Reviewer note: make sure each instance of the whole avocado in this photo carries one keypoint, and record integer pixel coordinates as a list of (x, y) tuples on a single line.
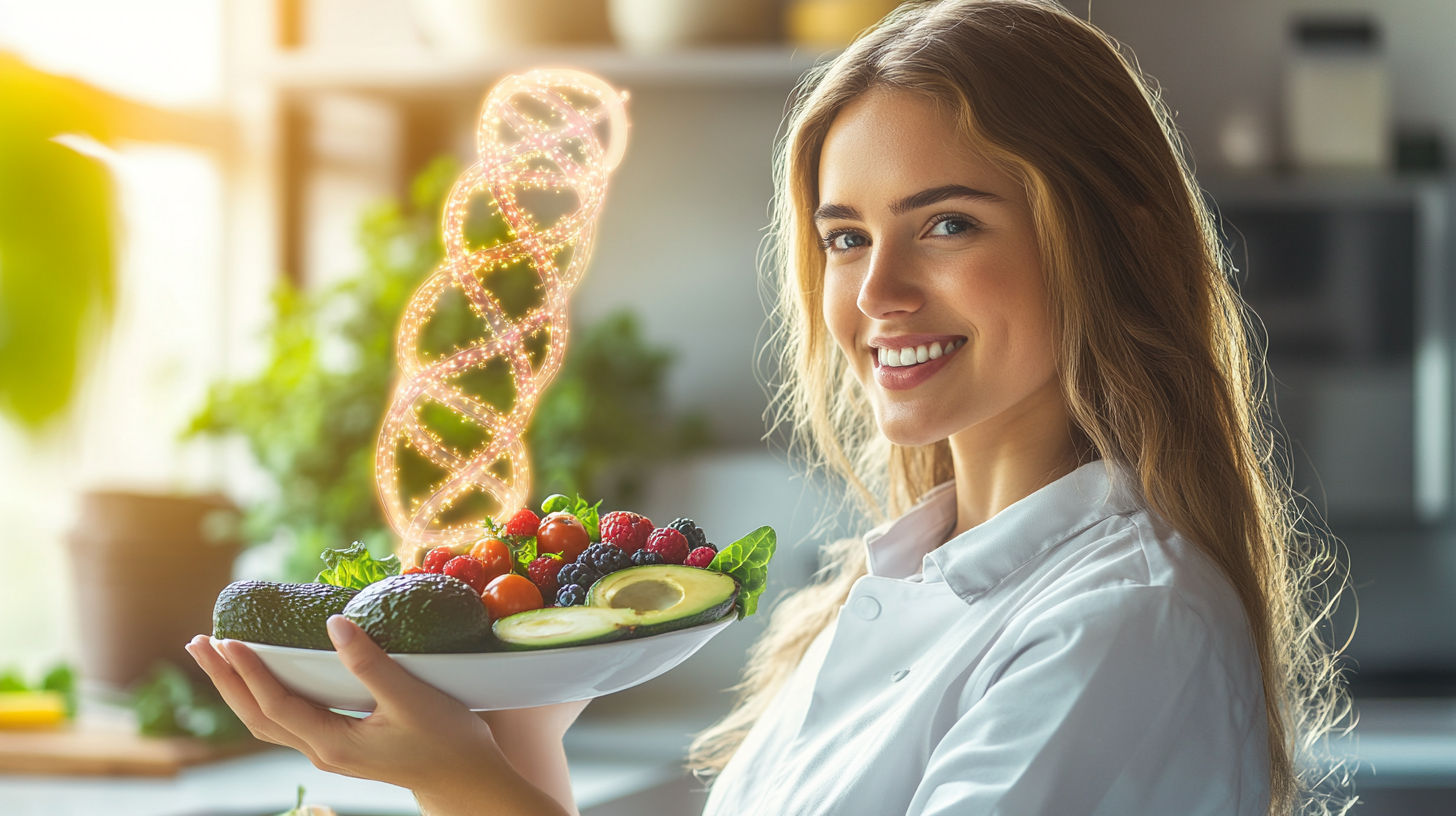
[(422, 613), (278, 614)]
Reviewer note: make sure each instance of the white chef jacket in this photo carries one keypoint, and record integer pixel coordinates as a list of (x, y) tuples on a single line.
[(1071, 655)]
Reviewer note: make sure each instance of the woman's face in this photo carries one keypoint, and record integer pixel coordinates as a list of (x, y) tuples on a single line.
[(933, 284)]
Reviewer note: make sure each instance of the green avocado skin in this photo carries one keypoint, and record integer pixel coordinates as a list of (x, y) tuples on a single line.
[(708, 615), (423, 613), (279, 614)]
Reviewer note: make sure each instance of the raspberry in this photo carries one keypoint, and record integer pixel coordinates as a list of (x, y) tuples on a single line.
[(469, 570), (524, 523), (668, 543), (692, 532), (628, 531), (571, 595), (701, 557), (645, 558), (436, 559), (579, 574), (604, 559), (542, 572)]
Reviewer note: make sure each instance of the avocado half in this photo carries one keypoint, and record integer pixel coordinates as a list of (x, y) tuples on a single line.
[(422, 613), (279, 614), (634, 602)]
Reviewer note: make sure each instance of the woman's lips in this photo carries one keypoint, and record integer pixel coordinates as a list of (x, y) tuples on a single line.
[(904, 377)]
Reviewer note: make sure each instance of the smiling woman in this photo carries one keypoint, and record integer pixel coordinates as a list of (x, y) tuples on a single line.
[(1009, 327)]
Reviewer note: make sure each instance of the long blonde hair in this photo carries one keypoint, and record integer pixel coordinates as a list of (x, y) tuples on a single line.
[(1157, 365)]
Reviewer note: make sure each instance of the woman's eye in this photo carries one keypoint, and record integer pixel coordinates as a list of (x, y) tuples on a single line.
[(843, 241), (953, 225)]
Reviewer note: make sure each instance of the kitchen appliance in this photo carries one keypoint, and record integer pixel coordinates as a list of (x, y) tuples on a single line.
[(1349, 278)]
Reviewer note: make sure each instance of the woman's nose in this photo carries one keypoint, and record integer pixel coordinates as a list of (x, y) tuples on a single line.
[(889, 287)]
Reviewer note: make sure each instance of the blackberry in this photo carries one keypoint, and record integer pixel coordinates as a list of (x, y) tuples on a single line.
[(570, 594), (645, 558), (604, 559), (576, 573), (692, 532)]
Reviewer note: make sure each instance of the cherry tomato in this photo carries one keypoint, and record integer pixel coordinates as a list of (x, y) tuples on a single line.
[(562, 534), (510, 594), (436, 559), (494, 555), (411, 570)]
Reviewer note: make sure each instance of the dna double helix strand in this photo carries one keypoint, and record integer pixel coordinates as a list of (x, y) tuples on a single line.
[(548, 130)]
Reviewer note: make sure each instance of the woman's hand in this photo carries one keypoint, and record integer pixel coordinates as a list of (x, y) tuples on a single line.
[(417, 737)]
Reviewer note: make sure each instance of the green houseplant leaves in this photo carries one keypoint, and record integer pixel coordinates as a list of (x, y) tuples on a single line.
[(56, 240)]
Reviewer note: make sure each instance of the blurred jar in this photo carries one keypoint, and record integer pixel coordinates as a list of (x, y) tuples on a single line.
[(1337, 96), (467, 28), (667, 25), (833, 23)]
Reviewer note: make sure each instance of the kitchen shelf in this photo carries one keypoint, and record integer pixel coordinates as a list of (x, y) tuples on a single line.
[(410, 73)]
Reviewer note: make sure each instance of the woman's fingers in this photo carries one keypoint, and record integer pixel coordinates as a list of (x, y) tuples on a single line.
[(236, 694), (289, 720), (276, 702), (386, 680)]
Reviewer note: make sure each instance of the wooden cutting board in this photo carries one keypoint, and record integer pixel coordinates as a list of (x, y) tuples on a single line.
[(98, 751)]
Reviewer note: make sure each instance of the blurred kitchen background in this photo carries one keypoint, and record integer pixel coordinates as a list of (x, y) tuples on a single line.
[(272, 172)]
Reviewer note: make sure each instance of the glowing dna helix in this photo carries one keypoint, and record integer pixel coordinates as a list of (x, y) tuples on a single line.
[(551, 130)]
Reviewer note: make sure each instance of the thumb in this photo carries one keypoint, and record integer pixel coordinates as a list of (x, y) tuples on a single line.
[(385, 679)]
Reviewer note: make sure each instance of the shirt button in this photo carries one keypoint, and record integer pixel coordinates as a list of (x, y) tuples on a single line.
[(866, 607)]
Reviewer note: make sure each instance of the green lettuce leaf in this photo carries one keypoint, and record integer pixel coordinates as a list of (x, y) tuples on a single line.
[(525, 553), (354, 567), (746, 560), (588, 515)]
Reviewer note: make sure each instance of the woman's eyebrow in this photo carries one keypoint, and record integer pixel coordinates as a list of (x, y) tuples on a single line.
[(935, 195), (924, 198), (832, 212)]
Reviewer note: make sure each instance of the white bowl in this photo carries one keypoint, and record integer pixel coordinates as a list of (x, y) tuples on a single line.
[(494, 680)]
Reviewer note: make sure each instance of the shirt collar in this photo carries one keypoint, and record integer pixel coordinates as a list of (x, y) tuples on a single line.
[(978, 559)]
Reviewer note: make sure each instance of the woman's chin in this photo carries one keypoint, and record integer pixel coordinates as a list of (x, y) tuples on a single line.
[(909, 431)]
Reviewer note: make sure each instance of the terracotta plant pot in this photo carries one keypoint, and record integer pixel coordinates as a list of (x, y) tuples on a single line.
[(147, 570)]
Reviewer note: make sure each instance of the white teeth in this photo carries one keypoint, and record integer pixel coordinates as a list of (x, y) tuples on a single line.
[(895, 358)]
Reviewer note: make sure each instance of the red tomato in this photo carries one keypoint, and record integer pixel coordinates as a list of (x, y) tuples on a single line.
[(510, 594), (562, 534), (494, 555), (411, 570)]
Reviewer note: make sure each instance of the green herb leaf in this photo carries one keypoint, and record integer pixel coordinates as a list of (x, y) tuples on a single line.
[(525, 553), (355, 568), (588, 515), (555, 503), (62, 679), (746, 560)]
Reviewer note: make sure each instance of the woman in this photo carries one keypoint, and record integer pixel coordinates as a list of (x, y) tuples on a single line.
[(1003, 303)]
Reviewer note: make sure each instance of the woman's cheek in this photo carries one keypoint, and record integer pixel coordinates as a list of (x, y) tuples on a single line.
[(841, 313)]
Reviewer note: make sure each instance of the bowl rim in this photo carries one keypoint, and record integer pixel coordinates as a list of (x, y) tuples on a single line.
[(715, 626)]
